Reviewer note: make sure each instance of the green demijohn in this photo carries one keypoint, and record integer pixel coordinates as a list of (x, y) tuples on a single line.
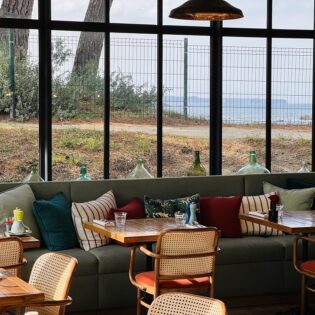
[(33, 176), (197, 169), (83, 173), (253, 167), (139, 171)]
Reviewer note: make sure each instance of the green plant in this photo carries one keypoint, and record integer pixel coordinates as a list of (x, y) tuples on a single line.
[(125, 95)]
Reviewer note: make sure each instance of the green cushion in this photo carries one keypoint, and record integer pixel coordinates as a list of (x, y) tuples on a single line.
[(292, 199), (19, 197), (54, 220), (158, 208)]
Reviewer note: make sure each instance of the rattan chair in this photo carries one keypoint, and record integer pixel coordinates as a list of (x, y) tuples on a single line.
[(184, 261), (52, 274), (306, 269), (185, 303), (11, 255)]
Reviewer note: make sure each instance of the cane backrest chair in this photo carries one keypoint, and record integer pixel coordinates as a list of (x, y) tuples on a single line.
[(52, 274), (11, 255), (184, 261), (306, 269), (185, 303)]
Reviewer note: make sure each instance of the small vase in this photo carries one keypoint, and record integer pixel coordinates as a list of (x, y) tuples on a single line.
[(83, 173), (253, 167), (33, 176), (139, 171), (197, 169)]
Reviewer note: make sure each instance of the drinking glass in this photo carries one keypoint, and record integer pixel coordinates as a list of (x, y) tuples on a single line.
[(179, 218), (120, 219), (280, 210)]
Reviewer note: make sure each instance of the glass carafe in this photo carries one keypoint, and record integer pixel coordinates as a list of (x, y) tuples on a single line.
[(83, 173), (139, 171), (33, 175), (197, 169), (253, 167)]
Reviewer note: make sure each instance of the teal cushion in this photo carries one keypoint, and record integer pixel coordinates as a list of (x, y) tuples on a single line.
[(292, 199), (19, 197), (157, 208), (54, 220)]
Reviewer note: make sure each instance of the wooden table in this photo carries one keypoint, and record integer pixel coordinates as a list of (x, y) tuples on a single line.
[(14, 292), (137, 231), (291, 222), (29, 242)]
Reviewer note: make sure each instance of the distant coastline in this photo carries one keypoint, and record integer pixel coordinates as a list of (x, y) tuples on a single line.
[(242, 110)]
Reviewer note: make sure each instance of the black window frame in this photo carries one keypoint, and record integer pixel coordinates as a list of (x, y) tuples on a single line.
[(216, 31)]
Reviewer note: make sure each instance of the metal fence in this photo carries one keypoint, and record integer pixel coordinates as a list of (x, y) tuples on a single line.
[(186, 80)]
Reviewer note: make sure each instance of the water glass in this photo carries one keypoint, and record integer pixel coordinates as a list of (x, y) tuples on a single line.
[(120, 219), (279, 210), (179, 218)]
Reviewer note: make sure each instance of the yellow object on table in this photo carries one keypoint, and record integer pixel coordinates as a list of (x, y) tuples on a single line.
[(18, 214)]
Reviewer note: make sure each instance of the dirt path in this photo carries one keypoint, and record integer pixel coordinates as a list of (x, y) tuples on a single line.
[(187, 131)]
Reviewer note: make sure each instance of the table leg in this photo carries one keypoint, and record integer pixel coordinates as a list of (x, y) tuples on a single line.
[(304, 248), (149, 259)]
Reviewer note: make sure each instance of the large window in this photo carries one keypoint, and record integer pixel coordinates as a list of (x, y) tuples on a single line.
[(18, 103), (108, 81)]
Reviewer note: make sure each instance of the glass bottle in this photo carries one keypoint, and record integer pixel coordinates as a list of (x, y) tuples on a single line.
[(139, 171), (253, 167), (193, 216), (197, 169), (83, 173), (33, 176), (304, 168)]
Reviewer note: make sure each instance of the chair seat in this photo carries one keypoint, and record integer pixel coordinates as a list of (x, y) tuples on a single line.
[(308, 265), (147, 279)]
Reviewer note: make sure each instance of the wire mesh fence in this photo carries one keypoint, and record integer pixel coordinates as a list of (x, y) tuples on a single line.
[(186, 82)]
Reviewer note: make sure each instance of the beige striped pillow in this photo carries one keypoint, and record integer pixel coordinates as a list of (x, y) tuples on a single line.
[(88, 211), (256, 203)]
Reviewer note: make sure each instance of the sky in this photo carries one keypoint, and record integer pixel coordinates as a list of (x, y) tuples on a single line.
[(286, 15)]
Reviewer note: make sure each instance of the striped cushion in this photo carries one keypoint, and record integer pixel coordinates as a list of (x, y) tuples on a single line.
[(256, 203), (88, 211)]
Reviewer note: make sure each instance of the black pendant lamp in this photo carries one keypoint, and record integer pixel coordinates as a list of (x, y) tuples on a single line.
[(209, 10)]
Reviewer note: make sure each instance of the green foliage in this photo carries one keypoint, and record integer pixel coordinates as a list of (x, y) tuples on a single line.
[(73, 94), (125, 95), (25, 90)]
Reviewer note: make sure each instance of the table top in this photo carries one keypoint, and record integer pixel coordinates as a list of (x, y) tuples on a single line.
[(291, 221), (16, 292), (136, 230)]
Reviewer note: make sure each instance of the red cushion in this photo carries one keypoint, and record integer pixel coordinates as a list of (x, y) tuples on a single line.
[(308, 265), (134, 209), (222, 212), (147, 279)]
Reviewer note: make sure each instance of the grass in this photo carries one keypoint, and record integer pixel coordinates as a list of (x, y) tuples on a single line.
[(72, 146)]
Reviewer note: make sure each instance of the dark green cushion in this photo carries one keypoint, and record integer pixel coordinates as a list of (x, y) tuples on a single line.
[(158, 208), (53, 217)]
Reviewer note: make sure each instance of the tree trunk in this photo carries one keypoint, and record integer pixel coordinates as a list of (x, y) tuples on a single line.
[(17, 9), (90, 44)]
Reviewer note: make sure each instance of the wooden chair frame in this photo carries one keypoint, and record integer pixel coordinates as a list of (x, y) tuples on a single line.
[(183, 303), (156, 291), (21, 259), (304, 273), (65, 291)]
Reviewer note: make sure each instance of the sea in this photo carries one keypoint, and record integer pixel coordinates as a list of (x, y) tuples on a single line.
[(242, 110)]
